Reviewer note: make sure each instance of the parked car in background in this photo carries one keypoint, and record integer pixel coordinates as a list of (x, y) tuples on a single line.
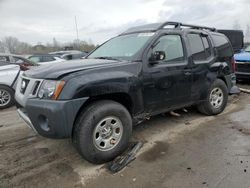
[(145, 71), (62, 52), (236, 38), (75, 55), (243, 64), (23, 62), (45, 59), (8, 77)]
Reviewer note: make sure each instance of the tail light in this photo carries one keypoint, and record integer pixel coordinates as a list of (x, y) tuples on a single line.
[(233, 63)]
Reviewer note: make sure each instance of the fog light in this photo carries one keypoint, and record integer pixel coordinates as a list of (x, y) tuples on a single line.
[(44, 123)]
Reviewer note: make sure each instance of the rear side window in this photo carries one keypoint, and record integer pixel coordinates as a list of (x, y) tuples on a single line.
[(206, 46), (222, 45), (200, 47)]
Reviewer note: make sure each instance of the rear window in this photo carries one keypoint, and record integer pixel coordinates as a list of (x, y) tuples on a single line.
[(222, 45)]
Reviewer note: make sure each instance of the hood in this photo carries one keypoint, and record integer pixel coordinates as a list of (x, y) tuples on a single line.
[(8, 67), (244, 56), (55, 70)]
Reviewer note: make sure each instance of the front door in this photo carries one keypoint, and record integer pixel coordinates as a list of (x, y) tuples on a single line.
[(167, 83)]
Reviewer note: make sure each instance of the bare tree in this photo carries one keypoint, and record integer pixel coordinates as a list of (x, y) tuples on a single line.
[(56, 44), (11, 43), (247, 34), (2, 49)]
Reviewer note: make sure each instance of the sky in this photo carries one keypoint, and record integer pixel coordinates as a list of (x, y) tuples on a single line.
[(39, 21)]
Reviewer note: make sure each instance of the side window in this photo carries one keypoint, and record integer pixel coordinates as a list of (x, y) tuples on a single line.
[(173, 48), (207, 47), (222, 45), (18, 60), (35, 59), (48, 58), (197, 47)]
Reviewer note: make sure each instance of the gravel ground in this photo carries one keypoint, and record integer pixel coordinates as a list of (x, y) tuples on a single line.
[(188, 151)]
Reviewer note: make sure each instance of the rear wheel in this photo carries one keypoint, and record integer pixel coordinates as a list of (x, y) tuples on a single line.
[(6, 97), (216, 100), (102, 131)]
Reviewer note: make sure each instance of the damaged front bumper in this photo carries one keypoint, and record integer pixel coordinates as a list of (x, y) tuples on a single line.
[(49, 118)]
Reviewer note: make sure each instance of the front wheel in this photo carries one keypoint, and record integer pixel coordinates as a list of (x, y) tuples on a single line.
[(216, 100), (102, 131), (6, 97)]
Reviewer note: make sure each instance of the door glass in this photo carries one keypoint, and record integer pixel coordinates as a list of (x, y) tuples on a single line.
[(207, 47), (48, 58), (172, 46), (18, 60), (197, 47), (35, 59)]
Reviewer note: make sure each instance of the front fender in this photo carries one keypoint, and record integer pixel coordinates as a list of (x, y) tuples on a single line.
[(98, 84), (106, 83)]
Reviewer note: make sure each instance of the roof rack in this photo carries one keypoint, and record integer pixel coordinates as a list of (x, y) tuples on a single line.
[(179, 25)]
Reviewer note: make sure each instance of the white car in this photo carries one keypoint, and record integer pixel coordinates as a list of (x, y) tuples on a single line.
[(8, 77), (45, 59)]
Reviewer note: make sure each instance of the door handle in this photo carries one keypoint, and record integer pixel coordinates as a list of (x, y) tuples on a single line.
[(187, 72)]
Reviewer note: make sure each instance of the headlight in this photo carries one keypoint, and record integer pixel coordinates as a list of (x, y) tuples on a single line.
[(50, 89)]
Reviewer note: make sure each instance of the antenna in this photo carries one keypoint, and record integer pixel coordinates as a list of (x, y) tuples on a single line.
[(77, 36)]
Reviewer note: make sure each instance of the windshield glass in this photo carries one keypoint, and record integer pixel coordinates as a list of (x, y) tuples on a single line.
[(247, 49), (122, 47)]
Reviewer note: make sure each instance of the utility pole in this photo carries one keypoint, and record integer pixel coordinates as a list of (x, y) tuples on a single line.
[(77, 36)]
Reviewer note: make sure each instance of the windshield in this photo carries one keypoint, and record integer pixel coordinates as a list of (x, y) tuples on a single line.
[(247, 49), (122, 47)]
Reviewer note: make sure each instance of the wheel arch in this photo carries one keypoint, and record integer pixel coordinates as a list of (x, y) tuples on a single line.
[(121, 98)]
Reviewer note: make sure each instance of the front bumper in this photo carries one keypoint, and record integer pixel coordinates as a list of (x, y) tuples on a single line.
[(52, 119), (21, 112)]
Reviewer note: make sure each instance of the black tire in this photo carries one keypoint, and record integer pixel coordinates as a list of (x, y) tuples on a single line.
[(85, 126), (10, 93), (207, 107)]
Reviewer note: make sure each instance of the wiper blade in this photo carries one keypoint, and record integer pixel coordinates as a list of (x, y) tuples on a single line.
[(108, 58)]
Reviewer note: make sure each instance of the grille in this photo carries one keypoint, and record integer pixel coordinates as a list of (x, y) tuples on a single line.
[(243, 67), (37, 83)]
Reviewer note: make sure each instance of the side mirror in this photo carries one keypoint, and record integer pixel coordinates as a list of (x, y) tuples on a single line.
[(157, 56)]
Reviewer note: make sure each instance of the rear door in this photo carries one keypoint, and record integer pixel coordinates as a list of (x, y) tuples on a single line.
[(167, 83), (201, 57)]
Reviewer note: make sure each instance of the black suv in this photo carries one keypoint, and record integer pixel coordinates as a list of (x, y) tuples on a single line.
[(144, 71)]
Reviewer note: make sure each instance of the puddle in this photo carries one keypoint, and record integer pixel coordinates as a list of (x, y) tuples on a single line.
[(241, 116)]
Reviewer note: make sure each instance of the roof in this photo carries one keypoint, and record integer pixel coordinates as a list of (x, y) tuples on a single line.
[(171, 25)]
